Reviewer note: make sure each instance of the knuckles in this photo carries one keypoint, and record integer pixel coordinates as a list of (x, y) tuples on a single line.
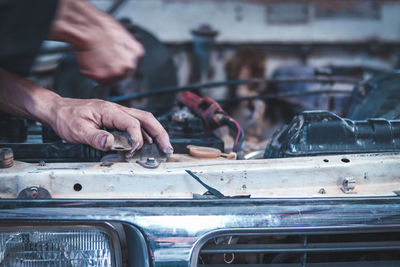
[(148, 116), (135, 124), (75, 118), (113, 73)]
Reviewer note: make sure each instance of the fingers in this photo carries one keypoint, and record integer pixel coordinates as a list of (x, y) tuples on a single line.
[(79, 121), (117, 119), (110, 75), (147, 137), (99, 139), (138, 48), (150, 128), (113, 76), (137, 52), (108, 65), (153, 127), (131, 53)]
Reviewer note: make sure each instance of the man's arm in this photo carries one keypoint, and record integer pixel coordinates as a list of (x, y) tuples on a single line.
[(78, 120), (106, 52)]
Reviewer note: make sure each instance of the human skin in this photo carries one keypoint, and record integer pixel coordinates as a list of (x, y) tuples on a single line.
[(79, 120), (106, 52)]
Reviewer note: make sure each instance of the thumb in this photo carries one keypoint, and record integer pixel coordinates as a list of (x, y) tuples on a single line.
[(99, 139)]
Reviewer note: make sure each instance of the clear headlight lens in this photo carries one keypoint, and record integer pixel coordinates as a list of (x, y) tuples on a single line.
[(72, 246)]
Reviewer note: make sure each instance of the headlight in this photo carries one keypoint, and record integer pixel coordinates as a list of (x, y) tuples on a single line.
[(65, 245)]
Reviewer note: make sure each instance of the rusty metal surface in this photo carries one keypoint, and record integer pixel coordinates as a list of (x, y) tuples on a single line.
[(373, 175)]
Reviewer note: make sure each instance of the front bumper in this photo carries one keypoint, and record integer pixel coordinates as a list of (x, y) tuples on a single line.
[(173, 230)]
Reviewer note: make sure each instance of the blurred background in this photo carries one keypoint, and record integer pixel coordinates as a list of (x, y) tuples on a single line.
[(264, 61)]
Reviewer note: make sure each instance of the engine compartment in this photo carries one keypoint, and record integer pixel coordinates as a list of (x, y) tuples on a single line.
[(284, 118)]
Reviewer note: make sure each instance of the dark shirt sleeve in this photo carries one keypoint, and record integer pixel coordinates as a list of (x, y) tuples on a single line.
[(24, 24)]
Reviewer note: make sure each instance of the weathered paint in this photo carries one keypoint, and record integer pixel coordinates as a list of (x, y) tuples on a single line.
[(375, 175)]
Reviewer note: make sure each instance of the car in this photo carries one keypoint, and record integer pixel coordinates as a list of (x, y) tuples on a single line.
[(292, 158)]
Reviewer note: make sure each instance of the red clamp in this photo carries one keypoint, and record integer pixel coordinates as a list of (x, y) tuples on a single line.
[(206, 108)]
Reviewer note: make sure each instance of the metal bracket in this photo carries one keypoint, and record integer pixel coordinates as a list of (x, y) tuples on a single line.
[(150, 156), (34, 192)]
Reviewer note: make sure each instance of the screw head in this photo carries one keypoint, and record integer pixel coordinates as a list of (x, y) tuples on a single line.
[(322, 191)]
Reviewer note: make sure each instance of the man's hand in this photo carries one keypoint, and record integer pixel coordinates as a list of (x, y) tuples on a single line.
[(77, 120), (80, 121), (106, 52)]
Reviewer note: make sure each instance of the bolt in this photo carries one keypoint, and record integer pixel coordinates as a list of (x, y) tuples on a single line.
[(322, 191), (34, 193), (150, 163), (348, 185)]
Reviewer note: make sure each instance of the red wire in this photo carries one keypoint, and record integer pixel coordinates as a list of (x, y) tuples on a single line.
[(239, 133)]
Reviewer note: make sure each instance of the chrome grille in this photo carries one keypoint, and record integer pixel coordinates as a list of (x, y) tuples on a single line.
[(320, 248)]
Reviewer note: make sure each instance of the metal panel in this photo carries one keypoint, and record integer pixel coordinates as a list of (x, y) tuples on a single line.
[(372, 175)]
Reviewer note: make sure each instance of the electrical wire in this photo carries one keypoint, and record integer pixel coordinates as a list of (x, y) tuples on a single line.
[(281, 95), (237, 129), (209, 85), (263, 96)]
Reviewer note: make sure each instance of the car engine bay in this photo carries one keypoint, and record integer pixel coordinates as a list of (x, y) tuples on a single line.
[(284, 153)]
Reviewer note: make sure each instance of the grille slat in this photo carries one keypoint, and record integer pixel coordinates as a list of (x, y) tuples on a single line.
[(308, 249), (336, 264), (299, 248)]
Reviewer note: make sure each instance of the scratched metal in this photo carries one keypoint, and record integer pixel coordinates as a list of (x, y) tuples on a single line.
[(373, 174), (172, 227)]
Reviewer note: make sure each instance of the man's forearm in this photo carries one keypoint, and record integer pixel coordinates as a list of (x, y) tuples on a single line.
[(105, 52), (79, 120), (22, 97)]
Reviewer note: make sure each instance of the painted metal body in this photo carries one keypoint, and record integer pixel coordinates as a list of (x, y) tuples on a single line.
[(373, 175), (285, 196)]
